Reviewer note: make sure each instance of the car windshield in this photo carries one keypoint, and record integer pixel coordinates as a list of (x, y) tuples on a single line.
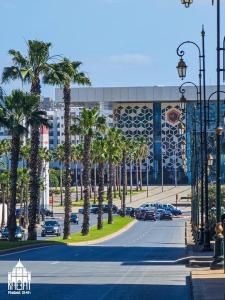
[(51, 223), (73, 215)]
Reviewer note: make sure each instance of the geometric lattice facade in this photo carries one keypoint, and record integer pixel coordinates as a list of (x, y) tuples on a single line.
[(173, 141), (136, 120)]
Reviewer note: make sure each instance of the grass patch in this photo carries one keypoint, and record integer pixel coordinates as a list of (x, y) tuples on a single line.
[(118, 223), (5, 245)]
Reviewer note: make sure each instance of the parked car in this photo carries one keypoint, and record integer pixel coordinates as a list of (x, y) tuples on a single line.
[(46, 212), (94, 209), (106, 208), (80, 210), (74, 218), (129, 211), (51, 227), (147, 206), (172, 209), (150, 215), (159, 212), (140, 213), (166, 215), (19, 233)]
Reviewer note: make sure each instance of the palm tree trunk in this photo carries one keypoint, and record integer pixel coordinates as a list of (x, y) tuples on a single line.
[(61, 184), (114, 181), (95, 194), (100, 195), (119, 177), (34, 184), (34, 176), (110, 198), (87, 175), (15, 150), (81, 181), (26, 208), (76, 179), (67, 149), (21, 204), (124, 185), (140, 170), (137, 180), (3, 208)]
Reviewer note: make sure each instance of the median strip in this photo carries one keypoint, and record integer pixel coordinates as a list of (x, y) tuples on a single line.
[(120, 225)]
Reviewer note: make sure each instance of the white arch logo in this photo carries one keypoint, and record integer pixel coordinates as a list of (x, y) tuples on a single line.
[(19, 280)]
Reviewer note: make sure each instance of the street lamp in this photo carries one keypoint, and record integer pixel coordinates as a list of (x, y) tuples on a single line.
[(186, 3), (203, 137), (210, 160), (181, 128), (182, 68), (218, 262)]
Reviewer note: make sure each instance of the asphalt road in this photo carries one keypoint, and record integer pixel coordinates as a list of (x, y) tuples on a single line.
[(137, 265), (74, 227)]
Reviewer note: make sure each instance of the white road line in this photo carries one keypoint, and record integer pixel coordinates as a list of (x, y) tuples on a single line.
[(26, 250)]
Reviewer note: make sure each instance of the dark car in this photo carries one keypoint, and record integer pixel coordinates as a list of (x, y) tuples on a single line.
[(80, 210), (46, 212), (150, 215), (18, 211), (51, 227), (130, 211), (19, 234), (106, 208), (94, 209), (74, 218), (140, 214), (166, 215), (172, 209)]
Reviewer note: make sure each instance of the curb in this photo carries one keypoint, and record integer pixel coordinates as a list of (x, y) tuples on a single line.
[(97, 241), (25, 247), (106, 238)]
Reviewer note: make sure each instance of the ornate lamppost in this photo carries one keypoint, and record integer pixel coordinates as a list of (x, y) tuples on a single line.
[(218, 262), (203, 117)]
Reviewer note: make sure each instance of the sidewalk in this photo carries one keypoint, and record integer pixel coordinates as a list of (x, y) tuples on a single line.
[(155, 195), (208, 284)]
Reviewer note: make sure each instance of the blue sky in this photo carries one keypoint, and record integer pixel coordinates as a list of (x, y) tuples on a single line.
[(120, 42)]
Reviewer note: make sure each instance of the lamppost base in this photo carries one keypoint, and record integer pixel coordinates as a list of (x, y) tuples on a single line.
[(201, 237), (218, 259), (206, 246)]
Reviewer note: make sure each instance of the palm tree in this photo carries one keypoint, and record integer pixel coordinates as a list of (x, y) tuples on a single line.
[(80, 153), (74, 158), (126, 144), (113, 143), (5, 147), (4, 180), (64, 74), (45, 156), (142, 154), (13, 111), (88, 125), (100, 150), (59, 155), (29, 69)]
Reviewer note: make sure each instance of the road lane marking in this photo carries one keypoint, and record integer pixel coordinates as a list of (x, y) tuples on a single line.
[(26, 250)]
